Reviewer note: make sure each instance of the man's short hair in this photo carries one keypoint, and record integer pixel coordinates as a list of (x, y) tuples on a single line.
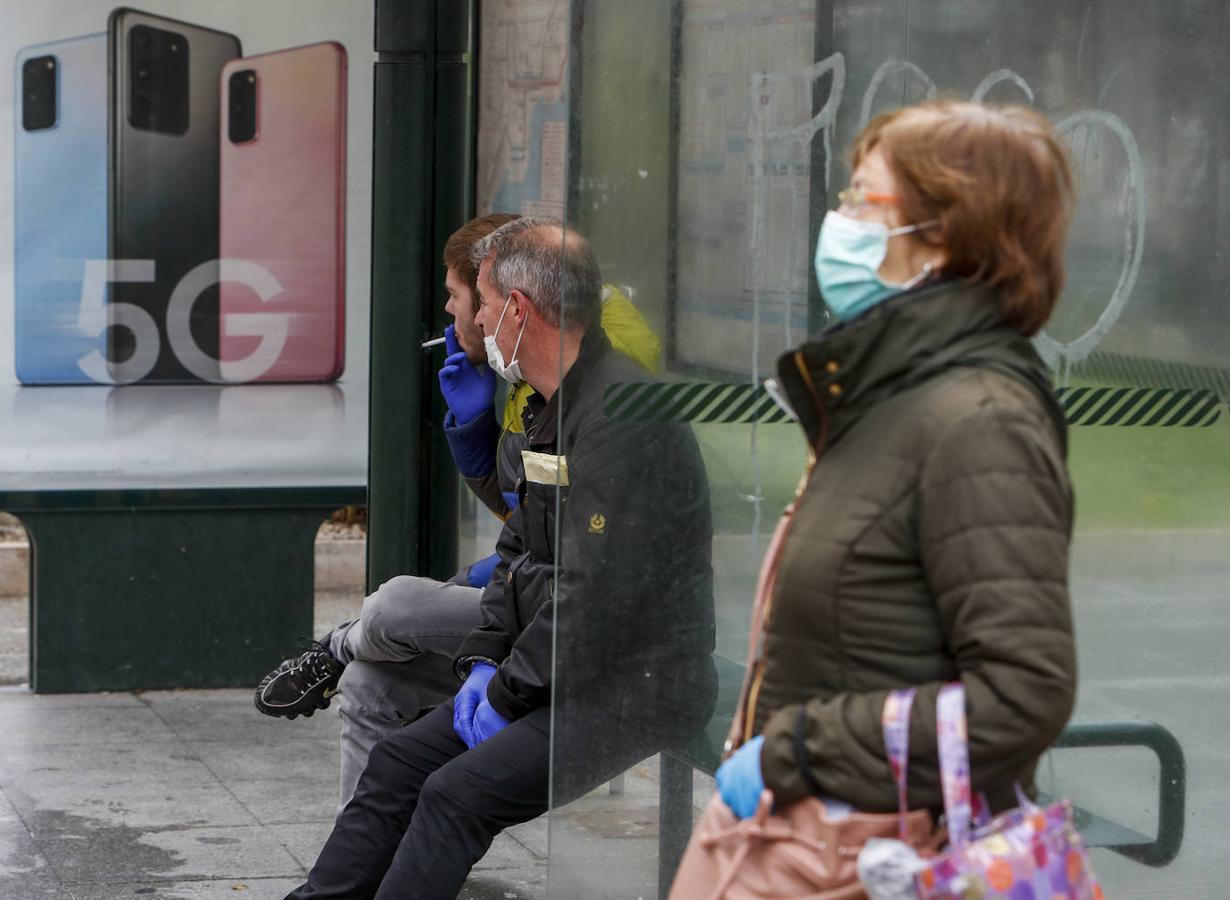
[(551, 265), (460, 247)]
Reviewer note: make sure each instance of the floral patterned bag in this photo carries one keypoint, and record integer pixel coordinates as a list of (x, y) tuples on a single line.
[(1029, 853)]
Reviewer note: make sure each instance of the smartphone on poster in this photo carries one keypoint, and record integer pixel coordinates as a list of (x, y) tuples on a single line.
[(282, 213), (163, 115), (60, 210)]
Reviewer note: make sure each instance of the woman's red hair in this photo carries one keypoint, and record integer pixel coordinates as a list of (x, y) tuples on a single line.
[(998, 182)]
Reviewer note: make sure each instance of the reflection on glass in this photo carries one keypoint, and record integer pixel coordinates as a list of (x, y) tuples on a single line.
[(704, 166)]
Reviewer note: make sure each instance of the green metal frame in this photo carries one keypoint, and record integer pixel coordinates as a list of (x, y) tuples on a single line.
[(146, 589), (422, 165)]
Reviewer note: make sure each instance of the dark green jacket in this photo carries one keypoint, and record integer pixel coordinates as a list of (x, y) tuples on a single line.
[(930, 543)]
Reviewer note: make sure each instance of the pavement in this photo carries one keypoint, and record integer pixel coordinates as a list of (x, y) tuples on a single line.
[(182, 794), (193, 794)]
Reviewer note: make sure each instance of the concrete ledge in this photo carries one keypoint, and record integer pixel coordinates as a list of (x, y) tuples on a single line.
[(340, 566), (14, 568)]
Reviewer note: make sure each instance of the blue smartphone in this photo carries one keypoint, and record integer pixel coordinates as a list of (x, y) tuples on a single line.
[(60, 211)]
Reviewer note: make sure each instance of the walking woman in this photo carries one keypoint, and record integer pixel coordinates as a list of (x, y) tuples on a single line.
[(928, 542)]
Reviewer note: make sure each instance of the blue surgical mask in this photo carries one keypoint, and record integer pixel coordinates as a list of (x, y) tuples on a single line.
[(848, 255)]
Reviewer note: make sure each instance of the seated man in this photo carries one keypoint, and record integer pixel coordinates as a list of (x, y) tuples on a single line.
[(395, 659), (615, 631)]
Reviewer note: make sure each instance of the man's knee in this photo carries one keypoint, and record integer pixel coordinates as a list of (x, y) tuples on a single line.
[(450, 791), (387, 607), (362, 686)]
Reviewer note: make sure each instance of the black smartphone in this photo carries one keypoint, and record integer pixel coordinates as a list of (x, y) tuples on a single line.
[(164, 115)]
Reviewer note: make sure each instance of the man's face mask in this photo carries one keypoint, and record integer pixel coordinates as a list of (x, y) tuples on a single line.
[(510, 372), (848, 255)]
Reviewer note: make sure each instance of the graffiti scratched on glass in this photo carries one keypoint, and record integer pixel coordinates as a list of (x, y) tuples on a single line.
[(765, 134)]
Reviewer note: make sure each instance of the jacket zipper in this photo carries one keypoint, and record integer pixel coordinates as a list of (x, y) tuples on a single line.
[(813, 455)]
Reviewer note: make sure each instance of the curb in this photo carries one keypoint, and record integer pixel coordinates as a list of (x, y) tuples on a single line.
[(340, 566)]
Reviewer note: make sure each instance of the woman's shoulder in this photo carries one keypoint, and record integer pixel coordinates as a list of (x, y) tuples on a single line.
[(969, 394)]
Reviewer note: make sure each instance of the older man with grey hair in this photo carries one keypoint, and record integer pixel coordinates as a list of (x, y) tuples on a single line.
[(600, 609)]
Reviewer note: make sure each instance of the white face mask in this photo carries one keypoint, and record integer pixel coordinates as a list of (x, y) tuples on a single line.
[(510, 372)]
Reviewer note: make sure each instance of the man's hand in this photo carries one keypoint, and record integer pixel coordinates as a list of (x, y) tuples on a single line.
[(468, 390), (479, 573), (739, 779), (466, 703), (487, 722)]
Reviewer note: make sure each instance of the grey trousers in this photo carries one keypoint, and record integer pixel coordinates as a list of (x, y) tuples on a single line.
[(399, 661)]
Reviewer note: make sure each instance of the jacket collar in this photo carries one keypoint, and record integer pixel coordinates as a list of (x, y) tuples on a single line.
[(834, 378), (541, 417)]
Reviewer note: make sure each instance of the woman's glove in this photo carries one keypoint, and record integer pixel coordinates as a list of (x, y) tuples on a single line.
[(739, 779), (469, 390), (466, 703)]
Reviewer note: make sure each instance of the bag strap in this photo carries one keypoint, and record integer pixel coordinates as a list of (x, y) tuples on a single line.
[(953, 737), (895, 720), (756, 635)]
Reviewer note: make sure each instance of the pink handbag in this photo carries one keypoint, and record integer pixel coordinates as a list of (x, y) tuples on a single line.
[(800, 851)]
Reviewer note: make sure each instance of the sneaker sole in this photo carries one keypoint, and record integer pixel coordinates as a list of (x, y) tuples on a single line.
[(275, 713)]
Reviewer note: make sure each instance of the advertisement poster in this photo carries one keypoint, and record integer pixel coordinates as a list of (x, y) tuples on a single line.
[(184, 259)]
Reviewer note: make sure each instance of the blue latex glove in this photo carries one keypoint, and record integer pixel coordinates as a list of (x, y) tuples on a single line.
[(468, 390), (512, 498), (739, 779), (480, 572), (487, 722), (472, 693)]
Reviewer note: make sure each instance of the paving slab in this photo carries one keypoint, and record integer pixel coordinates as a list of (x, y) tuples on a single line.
[(80, 763), (21, 861), (150, 802), (88, 852), (239, 889), (287, 801), (303, 841), (224, 715), (18, 695), (22, 725), (270, 756), (533, 836), (523, 883)]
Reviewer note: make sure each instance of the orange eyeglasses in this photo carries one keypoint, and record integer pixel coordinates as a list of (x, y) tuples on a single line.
[(855, 197)]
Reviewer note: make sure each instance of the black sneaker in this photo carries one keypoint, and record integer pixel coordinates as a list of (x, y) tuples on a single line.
[(300, 686)]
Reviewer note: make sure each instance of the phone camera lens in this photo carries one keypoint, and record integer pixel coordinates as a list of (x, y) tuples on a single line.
[(142, 74)]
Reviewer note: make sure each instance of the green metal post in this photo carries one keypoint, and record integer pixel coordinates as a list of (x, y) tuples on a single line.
[(420, 185)]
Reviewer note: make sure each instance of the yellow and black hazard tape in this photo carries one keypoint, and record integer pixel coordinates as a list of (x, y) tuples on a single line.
[(1146, 407), (746, 404)]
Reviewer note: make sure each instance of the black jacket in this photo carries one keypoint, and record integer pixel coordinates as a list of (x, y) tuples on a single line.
[(633, 603)]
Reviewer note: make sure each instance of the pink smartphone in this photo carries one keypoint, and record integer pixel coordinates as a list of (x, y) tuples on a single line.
[(282, 215)]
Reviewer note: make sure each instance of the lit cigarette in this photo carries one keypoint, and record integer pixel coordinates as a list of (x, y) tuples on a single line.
[(434, 342)]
